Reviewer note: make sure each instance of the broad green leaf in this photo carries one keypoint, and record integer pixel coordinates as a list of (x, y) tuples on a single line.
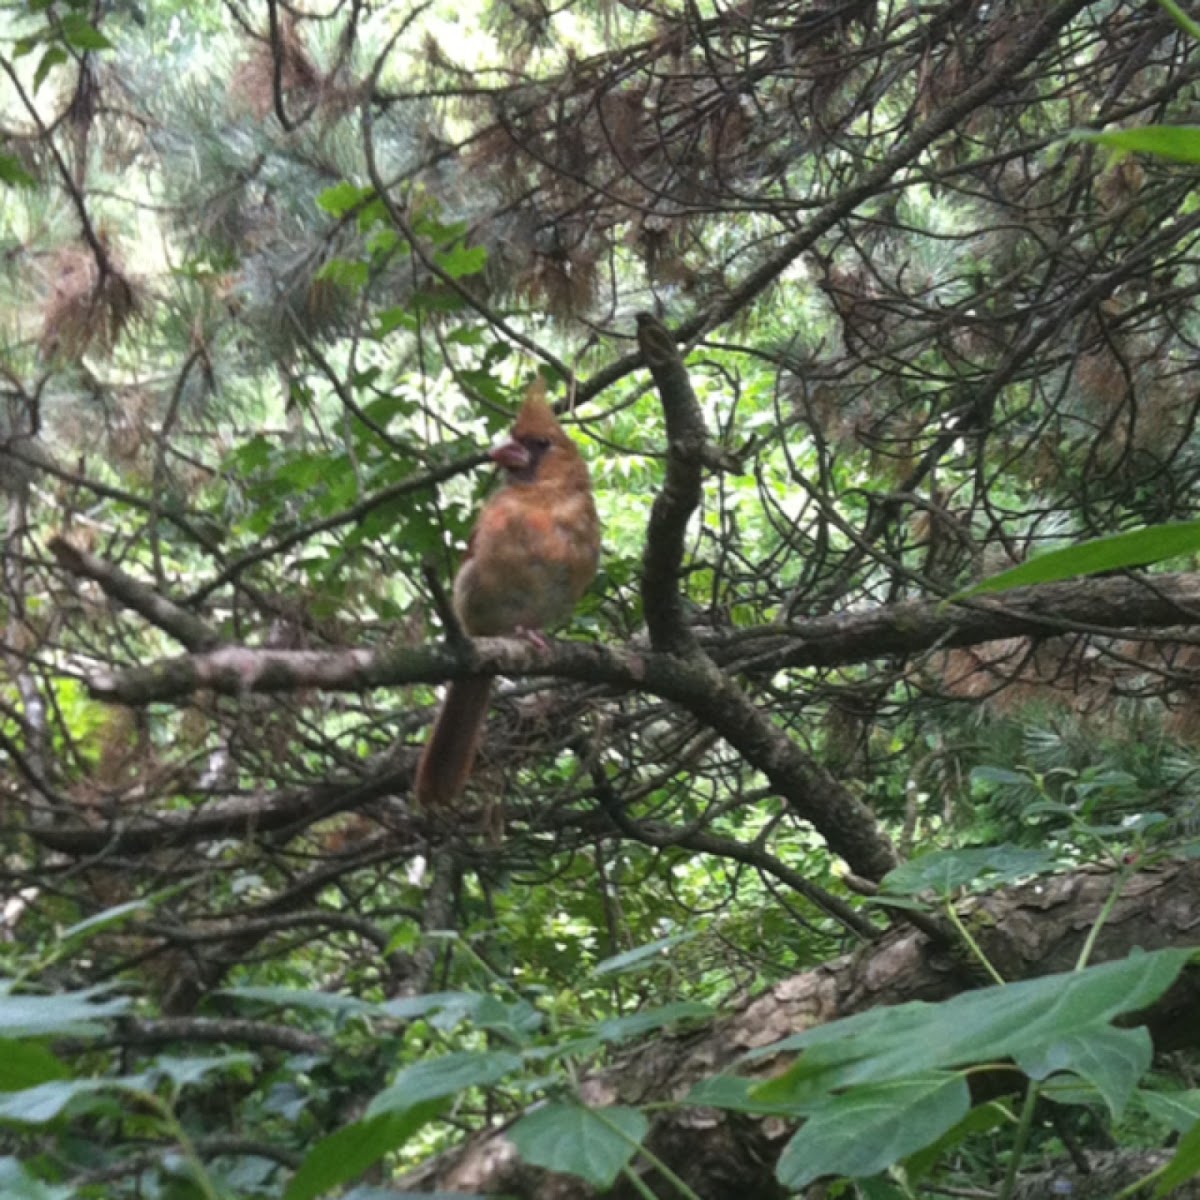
[(591, 1143), (40, 1104), (25, 1063), (185, 1071), (945, 871), (51, 59), (345, 272), (459, 1004), (444, 1076), (353, 1148), (867, 1129), (650, 952), (730, 1092), (1111, 1060), (981, 1026), (1179, 143), (17, 1184), (73, 1013), (82, 34), (1184, 1165), (983, 1119), (617, 1029), (1134, 549), (1180, 1110)]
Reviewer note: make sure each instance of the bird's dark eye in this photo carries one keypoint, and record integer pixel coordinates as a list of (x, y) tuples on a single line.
[(537, 443)]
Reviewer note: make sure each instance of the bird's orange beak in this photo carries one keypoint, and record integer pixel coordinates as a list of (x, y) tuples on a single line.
[(510, 455)]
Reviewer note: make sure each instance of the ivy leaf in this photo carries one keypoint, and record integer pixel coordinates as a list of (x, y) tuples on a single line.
[(594, 1144), (865, 1130)]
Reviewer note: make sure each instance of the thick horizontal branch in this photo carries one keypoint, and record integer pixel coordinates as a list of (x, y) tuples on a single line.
[(1126, 607)]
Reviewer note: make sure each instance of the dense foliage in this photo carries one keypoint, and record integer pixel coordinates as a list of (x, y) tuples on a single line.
[(276, 274)]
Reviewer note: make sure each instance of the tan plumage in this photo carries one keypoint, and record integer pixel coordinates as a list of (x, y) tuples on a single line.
[(533, 552)]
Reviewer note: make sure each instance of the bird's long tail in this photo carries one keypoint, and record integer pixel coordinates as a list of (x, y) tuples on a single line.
[(450, 752)]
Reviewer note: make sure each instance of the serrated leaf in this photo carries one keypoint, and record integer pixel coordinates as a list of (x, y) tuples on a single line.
[(435, 1078), (594, 1144), (461, 260), (649, 952), (617, 1029), (1137, 548), (865, 1130), (353, 1148), (1178, 143), (945, 871), (1111, 1060), (980, 1026)]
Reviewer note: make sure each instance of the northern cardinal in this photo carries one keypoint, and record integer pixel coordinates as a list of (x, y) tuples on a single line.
[(533, 552)]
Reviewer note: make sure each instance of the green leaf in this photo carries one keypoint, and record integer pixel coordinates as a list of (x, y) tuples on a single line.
[(185, 1071), (447, 1075), (730, 1092), (617, 1029), (343, 197), (1112, 1060), (865, 1130), (329, 1002), (14, 173), (17, 1184), (102, 920), (1179, 143), (25, 1064), (945, 871), (652, 952), (1179, 1110), (981, 1026), (979, 1120), (1184, 1165), (82, 34), (345, 272), (592, 1143), (1136, 548), (41, 1104), (462, 260), (354, 1148), (73, 1013), (51, 59)]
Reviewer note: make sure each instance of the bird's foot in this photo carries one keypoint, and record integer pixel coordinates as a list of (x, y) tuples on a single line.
[(534, 636)]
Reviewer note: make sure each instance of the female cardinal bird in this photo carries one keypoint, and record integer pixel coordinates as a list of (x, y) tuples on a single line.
[(533, 552)]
